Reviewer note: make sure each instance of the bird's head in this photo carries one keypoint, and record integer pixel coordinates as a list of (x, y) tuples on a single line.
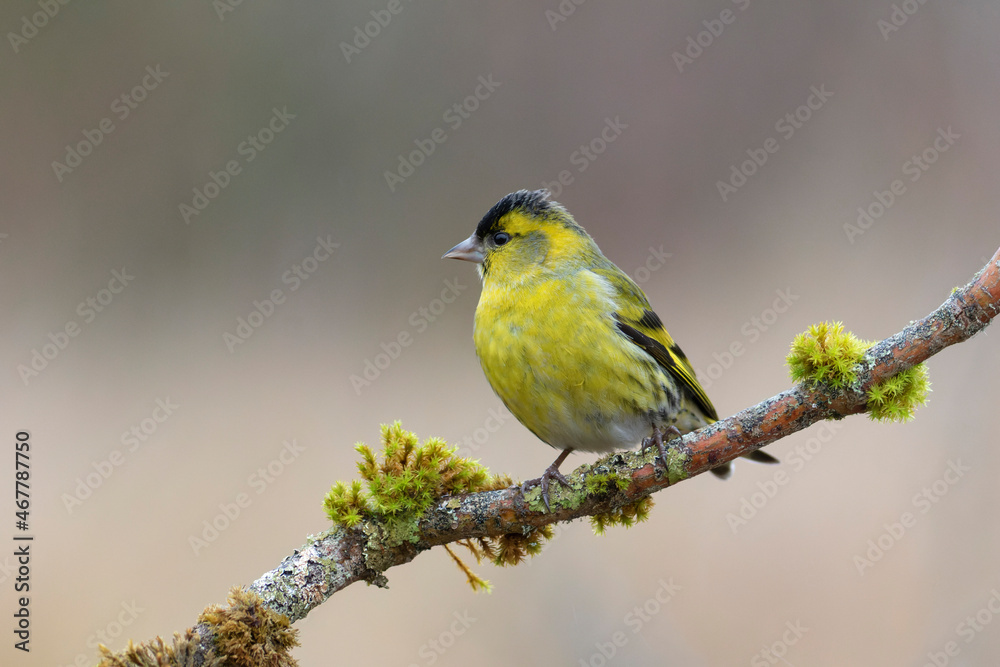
[(525, 233)]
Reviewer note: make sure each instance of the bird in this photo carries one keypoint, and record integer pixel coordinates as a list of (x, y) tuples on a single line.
[(570, 344)]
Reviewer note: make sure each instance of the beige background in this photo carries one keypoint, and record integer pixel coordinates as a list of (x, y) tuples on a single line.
[(793, 564)]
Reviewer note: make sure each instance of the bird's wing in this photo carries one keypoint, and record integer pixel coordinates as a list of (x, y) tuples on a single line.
[(635, 318)]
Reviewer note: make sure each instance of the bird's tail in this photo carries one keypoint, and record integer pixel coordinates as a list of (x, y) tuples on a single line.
[(726, 469)]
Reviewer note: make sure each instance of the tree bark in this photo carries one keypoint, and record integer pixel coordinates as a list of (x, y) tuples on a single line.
[(339, 557)]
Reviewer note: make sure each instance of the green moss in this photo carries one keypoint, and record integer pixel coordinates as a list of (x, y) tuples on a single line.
[(407, 479), (613, 482), (345, 504), (897, 398), (560, 495), (158, 653), (677, 461), (476, 582), (626, 516), (510, 549), (248, 634), (606, 483), (828, 354), (403, 528)]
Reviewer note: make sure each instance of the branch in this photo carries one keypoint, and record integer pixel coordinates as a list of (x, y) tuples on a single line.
[(339, 557)]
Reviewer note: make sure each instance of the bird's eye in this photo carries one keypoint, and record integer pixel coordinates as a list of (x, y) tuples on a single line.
[(500, 238)]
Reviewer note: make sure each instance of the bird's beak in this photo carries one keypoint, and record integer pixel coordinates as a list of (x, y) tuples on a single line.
[(471, 250)]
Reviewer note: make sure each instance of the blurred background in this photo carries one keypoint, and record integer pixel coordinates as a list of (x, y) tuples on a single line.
[(219, 220)]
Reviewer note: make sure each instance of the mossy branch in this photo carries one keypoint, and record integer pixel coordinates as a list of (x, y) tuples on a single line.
[(341, 556)]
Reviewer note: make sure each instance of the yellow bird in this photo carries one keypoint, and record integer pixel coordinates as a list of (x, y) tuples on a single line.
[(570, 343)]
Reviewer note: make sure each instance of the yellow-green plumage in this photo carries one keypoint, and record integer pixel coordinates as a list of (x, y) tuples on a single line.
[(568, 342)]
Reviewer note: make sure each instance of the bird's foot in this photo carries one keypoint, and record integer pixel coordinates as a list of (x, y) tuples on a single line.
[(656, 440), (551, 472)]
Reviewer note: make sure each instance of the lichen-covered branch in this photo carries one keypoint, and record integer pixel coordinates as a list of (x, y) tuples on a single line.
[(336, 558)]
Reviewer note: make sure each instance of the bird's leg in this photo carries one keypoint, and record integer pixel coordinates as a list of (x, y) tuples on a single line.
[(657, 440), (550, 472)]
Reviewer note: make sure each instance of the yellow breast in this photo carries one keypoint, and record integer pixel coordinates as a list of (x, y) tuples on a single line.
[(553, 354)]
